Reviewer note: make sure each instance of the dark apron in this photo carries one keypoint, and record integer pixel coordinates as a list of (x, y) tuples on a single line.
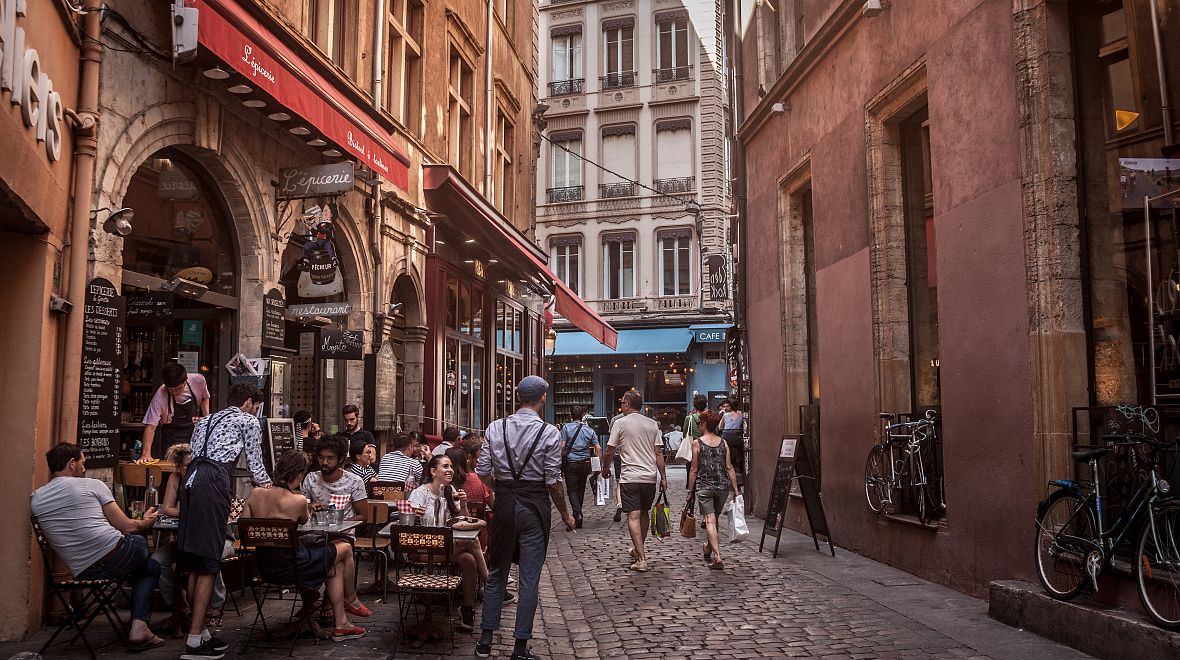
[(204, 502), (180, 429), (531, 495)]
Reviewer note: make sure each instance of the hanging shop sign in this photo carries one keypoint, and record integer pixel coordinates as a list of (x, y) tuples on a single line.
[(318, 309), (173, 185), (718, 277), (712, 336), (41, 108), (274, 326), (321, 276), (342, 345), (315, 180), (103, 355)]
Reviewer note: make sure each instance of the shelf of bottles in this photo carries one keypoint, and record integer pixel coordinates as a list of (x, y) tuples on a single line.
[(139, 374), (572, 388)]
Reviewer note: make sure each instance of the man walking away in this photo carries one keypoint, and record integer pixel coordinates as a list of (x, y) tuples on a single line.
[(732, 424), (692, 423), (521, 465), (637, 439), (205, 496), (578, 443)]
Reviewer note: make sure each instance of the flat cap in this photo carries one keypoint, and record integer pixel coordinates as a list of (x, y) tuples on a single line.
[(532, 388)]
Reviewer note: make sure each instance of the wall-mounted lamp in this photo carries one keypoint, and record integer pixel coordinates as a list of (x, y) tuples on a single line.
[(873, 8), (693, 207), (118, 222), (780, 108), (183, 287), (550, 341)]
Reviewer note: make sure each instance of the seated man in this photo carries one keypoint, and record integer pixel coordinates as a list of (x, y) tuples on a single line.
[(332, 486), (399, 464), (95, 539), (316, 562)]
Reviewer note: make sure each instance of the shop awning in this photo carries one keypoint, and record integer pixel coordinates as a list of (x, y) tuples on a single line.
[(451, 195), (709, 333), (229, 31), (631, 342)]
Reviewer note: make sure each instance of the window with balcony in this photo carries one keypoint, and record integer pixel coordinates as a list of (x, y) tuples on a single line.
[(618, 267), (567, 61), (403, 63), (674, 158), (567, 167), (619, 151), (502, 179), (459, 123), (672, 47), (675, 263), (619, 50), (326, 27), (567, 261)]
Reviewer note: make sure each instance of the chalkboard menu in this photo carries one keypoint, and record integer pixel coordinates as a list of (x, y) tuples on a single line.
[(385, 388), (280, 439), (103, 355), (149, 305), (274, 326), (342, 345), (794, 456)]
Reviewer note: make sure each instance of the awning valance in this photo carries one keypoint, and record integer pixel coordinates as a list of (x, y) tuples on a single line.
[(630, 342), (229, 31), (451, 195)]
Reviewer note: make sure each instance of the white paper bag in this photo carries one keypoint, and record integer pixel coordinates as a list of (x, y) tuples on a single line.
[(603, 490), (735, 521), (595, 464)]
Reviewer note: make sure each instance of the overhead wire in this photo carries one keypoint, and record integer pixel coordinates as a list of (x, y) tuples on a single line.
[(614, 173)]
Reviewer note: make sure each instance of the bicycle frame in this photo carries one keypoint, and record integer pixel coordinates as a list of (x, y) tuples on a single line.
[(910, 463), (1108, 541)]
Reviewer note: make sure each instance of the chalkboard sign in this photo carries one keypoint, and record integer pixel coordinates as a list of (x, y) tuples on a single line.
[(809, 487), (149, 305), (776, 509), (103, 355), (274, 325), (794, 462), (280, 439), (341, 345), (385, 388)]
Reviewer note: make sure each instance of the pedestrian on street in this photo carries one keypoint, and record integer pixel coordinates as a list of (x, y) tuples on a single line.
[(578, 443), (711, 478), (732, 423), (217, 442), (617, 464), (521, 465), (692, 423), (637, 439), (174, 409)]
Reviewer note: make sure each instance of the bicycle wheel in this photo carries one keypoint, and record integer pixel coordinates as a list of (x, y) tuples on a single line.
[(1065, 534), (919, 497), (1157, 572), (877, 479)]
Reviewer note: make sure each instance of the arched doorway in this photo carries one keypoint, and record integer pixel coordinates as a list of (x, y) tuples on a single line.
[(408, 336)]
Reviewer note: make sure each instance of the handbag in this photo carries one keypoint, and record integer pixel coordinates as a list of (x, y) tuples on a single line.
[(661, 517), (684, 453), (688, 522)]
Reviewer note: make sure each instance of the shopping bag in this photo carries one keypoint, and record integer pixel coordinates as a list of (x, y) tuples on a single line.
[(661, 517), (688, 522), (595, 464), (684, 453), (603, 490), (735, 518)]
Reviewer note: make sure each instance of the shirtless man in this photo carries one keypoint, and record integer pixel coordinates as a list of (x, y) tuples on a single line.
[(284, 501)]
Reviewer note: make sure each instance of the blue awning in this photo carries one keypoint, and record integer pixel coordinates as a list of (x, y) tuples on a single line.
[(709, 333), (631, 342)]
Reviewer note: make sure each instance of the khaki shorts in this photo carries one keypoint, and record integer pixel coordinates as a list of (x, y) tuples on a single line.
[(712, 501)]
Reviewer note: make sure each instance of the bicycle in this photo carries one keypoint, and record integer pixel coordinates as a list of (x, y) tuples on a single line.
[(903, 461), (1073, 547)]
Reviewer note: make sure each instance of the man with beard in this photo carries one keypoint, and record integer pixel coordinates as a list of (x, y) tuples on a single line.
[(333, 486)]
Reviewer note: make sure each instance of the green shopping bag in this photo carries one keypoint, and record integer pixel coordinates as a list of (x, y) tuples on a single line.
[(661, 516)]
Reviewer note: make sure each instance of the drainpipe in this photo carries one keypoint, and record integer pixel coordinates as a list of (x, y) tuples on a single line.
[(378, 49), (85, 122), (488, 134), (373, 203), (1165, 102), (739, 191)]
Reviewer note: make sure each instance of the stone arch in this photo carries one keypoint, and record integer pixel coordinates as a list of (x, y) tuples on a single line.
[(408, 289)]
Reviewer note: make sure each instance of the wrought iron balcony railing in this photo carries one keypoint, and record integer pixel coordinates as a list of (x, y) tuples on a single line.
[(675, 186), (672, 74), (618, 189), (619, 79), (566, 194), (566, 87)]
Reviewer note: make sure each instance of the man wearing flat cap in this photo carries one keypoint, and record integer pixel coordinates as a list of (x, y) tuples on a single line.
[(521, 464)]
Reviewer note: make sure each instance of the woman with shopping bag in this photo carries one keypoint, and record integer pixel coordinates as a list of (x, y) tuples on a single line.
[(711, 478)]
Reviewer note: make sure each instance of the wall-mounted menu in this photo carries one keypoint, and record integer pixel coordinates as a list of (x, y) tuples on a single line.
[(154, 305), (274, 325), (342, 345), (280, 439), (103, 355)]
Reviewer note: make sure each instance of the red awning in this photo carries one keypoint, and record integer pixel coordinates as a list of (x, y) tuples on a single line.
[(231, 33), (446, 191)]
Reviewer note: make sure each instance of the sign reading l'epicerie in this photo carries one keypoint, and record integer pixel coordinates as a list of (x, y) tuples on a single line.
[(41, 107)]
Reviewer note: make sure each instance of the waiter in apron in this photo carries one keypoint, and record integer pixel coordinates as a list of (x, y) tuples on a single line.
[(521, 464), (205, 496), (174, 409)]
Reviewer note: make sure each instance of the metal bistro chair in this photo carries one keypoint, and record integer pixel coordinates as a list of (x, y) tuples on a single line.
[(386, 490), (376, 516), (133, 478), (254, 533), (427, 572), (97, 597)]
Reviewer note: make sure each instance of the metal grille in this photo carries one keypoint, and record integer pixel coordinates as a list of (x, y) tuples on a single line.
[(673, 186), (672, 74), (566, 87), (567, 194), (620, 79), (618, 189)]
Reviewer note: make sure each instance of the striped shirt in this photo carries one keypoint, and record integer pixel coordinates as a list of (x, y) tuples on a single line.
[(364, 472), (396, 466)]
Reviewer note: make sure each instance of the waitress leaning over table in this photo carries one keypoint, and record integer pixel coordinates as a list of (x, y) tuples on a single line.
[(174, 409)]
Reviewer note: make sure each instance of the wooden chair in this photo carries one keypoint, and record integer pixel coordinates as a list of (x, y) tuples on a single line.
[(426, 574), (96, 597), (254, 533), (386, 490), (376, 516), (135, 477)]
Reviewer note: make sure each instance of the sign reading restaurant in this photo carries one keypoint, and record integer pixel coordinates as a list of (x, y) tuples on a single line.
[(318, 309), (41, 108)]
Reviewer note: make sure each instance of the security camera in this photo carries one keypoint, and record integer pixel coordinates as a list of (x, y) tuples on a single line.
[(118, 222), (873, 8), (59, 305)]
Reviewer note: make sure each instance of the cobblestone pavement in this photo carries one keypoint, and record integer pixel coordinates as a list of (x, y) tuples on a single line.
[(803, 604)]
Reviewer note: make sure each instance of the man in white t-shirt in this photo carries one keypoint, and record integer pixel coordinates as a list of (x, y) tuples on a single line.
[(637, 439), (96, 540), (333, 486)]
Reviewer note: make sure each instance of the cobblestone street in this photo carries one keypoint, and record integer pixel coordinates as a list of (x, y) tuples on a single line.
[(803, 604)]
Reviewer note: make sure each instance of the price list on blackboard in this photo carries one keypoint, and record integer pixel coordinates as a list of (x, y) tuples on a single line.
[(103, 347)]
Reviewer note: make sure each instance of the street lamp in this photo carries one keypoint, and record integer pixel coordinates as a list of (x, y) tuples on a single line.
[(118, 222)]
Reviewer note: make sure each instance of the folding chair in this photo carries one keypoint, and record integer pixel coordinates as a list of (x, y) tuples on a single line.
[(97, 597), (134, 479), (426, 573), (376, 516), (254, 533), (386, 490)]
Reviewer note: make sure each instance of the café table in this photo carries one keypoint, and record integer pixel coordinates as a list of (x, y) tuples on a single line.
[(342, 529), (457, 534)]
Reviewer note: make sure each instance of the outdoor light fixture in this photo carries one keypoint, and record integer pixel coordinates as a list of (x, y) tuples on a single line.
[(118, 223), (216, 73), (779, 108), (299, 130), (332, 153), (278, 116), (692, 207), (183, 287), (873, 8), (254, 103), (550, 341), (316, 142), (240, 89)]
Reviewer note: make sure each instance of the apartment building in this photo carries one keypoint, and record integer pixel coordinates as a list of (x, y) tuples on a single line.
[(633, 197)]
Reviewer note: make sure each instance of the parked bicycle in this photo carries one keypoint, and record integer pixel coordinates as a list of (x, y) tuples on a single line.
[(903, 462), (1074, 547)]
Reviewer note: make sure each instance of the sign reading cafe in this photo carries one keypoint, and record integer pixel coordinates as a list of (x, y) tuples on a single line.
[(20, 73)]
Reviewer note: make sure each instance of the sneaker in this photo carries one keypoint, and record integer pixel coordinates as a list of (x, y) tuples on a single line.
[(204, 651), (578, 523), (466, 619), (527, 655), (618, 513), (640, 566), (509, 597), (217, 643), (483, 650), (342, 634)]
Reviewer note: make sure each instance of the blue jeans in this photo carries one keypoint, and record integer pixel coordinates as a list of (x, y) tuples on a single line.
[(531, 539), (129, 563)]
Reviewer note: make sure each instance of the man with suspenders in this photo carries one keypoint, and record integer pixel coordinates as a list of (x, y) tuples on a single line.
[(521, 464)]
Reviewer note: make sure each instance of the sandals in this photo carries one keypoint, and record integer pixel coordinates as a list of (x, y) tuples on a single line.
[(717, 564), (342, 634), (152, 642), (358, 610), (708, 553)]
